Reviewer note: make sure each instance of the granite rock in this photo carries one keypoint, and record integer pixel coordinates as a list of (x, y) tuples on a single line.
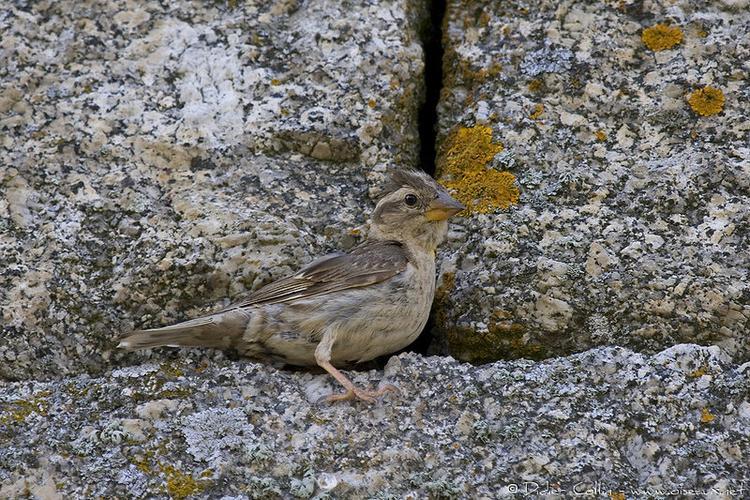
[(610, 422), (603, 148), (158, 159)]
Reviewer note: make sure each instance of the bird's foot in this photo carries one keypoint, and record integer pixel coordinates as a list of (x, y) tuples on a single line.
[(363, 394)]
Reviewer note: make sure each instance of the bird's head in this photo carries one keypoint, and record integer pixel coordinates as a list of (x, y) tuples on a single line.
[(414, 209)]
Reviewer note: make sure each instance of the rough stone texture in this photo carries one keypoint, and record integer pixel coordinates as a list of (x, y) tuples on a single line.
[(633, 222), (157, 158), (610, 421)]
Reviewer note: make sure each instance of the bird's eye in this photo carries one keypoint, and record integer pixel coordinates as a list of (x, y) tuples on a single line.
[(410, 200)]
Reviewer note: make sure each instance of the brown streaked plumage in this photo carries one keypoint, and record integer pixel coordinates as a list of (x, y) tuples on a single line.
[(344, 308)]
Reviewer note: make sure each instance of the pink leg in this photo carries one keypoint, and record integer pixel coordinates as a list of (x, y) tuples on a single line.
[(351, 390)]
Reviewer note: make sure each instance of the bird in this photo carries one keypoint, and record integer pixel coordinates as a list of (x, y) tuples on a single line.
[(344, 308)]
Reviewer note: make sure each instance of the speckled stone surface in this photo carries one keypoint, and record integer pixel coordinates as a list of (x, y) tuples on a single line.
[(156, 159), (609, 421), (632, 162)]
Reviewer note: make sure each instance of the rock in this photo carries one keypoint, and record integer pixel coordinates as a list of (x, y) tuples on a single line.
[(610, 140), (609, 418), (161, 159)]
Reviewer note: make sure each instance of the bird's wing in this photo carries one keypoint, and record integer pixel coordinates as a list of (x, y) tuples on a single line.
[(367, 264)]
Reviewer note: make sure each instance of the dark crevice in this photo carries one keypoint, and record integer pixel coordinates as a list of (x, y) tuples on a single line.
[(432, 41)]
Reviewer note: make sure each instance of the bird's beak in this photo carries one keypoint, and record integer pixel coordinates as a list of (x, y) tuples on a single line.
[(442, 208)]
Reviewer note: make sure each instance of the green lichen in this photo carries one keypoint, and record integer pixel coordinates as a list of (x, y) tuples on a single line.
[(481, 432), (17, 411), (72, 389), (172, 370), (305, 487), (317, 418), (504, 338), (462, 167), (144, 462), (262, 487), (535, 86), (154, 383), (173, 394), (257, 453), (178, 484), (445, 489), (478, 347)]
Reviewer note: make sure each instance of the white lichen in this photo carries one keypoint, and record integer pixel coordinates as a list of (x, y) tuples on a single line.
[(213, 435)]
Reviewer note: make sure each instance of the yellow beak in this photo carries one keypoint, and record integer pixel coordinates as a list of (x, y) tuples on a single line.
[(443, 207)]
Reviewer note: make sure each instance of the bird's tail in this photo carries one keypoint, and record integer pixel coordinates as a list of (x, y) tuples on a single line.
[(217, 330)]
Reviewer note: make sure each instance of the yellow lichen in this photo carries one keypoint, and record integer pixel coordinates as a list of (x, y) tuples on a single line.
[(706, 416), (706, 101), (172, 370), (473, 77), (699, 372), (538, 112), (661, 37), (617, 495), (462, 167), (535, 86), (173, 394), (179, 484), (484, 19), (601, 135), (701, 31), (16, 412), (465, 73)]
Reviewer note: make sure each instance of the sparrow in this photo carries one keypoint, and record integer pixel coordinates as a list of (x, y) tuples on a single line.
[(343, 308)]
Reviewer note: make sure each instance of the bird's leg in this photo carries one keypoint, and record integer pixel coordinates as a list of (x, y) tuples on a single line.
[(323, 356), (352, 391)]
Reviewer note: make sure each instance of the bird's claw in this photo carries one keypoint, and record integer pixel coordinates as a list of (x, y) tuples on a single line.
[(363, 394)]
